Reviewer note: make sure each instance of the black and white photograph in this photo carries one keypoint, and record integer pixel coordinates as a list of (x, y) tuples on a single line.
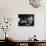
[(26, 19)]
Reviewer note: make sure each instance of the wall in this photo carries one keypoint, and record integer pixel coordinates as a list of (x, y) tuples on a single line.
[(11, 8)]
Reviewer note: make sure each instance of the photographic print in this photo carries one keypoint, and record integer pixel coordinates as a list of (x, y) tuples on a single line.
[(26, 19)]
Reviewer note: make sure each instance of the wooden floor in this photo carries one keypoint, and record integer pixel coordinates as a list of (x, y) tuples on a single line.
[(26, 43), (3, 43)]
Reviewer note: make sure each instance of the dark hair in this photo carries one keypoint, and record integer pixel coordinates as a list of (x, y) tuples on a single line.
[(34, 35)]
